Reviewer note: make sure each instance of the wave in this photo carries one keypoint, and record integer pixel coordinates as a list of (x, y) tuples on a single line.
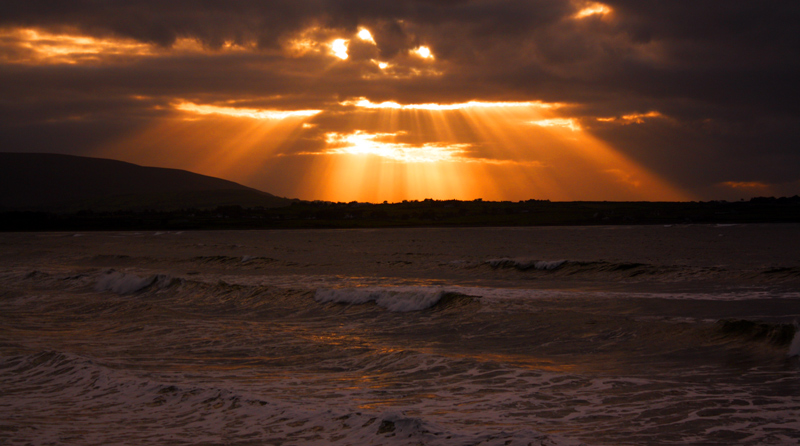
[(779, 335), (395, 299), (526, 264), (398, 428), (56, 397), (578, 267), (794, 347), (233, 260), (782, 272), (123, 283), (633, 270)]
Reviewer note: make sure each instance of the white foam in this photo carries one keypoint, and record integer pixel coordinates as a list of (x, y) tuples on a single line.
[(122, 283), (99, 396), (397, 299), (548, 265), (794, 348), (523, 264)]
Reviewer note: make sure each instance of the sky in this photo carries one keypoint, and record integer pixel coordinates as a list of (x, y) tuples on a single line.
[(400, 100)]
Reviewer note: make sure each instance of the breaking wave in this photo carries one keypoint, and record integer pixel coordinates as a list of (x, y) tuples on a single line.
[(233, 261), (794, 347), (526, 264), (122, 283), (396, 299), (145, 410), (634, 271), (577, 267), (779, 335)]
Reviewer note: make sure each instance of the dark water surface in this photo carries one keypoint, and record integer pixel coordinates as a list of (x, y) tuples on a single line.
[(492, 336)]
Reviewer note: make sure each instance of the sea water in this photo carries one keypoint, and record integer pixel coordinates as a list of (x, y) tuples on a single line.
[(461, 336)]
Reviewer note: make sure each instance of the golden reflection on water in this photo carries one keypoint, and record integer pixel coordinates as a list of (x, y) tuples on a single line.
[(380, 349)]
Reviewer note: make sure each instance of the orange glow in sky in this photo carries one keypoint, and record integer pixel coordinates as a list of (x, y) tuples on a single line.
[(339, 48), (365, 103), (243, 112), (42, 47), (394, 152), (365, 35), (745, 185), (226, 142), (358, 149), (423, 52), (500, 100), (592, 8), (568, 123), (381, 144), (636, 118)]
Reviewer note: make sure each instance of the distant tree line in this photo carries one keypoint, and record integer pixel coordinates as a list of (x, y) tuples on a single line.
[(429, 212)]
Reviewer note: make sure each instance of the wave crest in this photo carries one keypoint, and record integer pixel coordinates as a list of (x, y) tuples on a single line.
[(526, 264), (779, 335), (393, 299), (121, 283)]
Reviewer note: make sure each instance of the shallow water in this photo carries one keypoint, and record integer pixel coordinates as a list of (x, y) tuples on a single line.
[(593, 335)]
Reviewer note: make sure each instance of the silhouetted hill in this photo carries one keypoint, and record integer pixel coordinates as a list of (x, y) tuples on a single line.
[(54, 182)]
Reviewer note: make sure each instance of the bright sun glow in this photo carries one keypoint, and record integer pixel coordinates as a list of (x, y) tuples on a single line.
[(365, 35), (390, 151), (592, 9), (365, 103), (423, 52), (361, 143), (568, 123), (243, 112), (339, 48), (473, 149)]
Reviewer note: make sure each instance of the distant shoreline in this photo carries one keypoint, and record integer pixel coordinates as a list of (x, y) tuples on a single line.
[(427, 213)]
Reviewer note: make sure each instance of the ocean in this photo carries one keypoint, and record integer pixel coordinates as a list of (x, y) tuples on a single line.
[(607, 335)]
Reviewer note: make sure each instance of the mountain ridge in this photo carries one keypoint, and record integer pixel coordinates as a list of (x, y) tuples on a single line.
[(64, 183)]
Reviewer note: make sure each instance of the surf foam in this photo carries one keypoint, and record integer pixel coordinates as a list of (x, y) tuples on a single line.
[(121, 283), (397, 299), (794, 347), (526, 264), (97, 396)]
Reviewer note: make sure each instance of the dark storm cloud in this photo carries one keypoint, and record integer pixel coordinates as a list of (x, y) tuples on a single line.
[(217, 21), (723, 72)]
